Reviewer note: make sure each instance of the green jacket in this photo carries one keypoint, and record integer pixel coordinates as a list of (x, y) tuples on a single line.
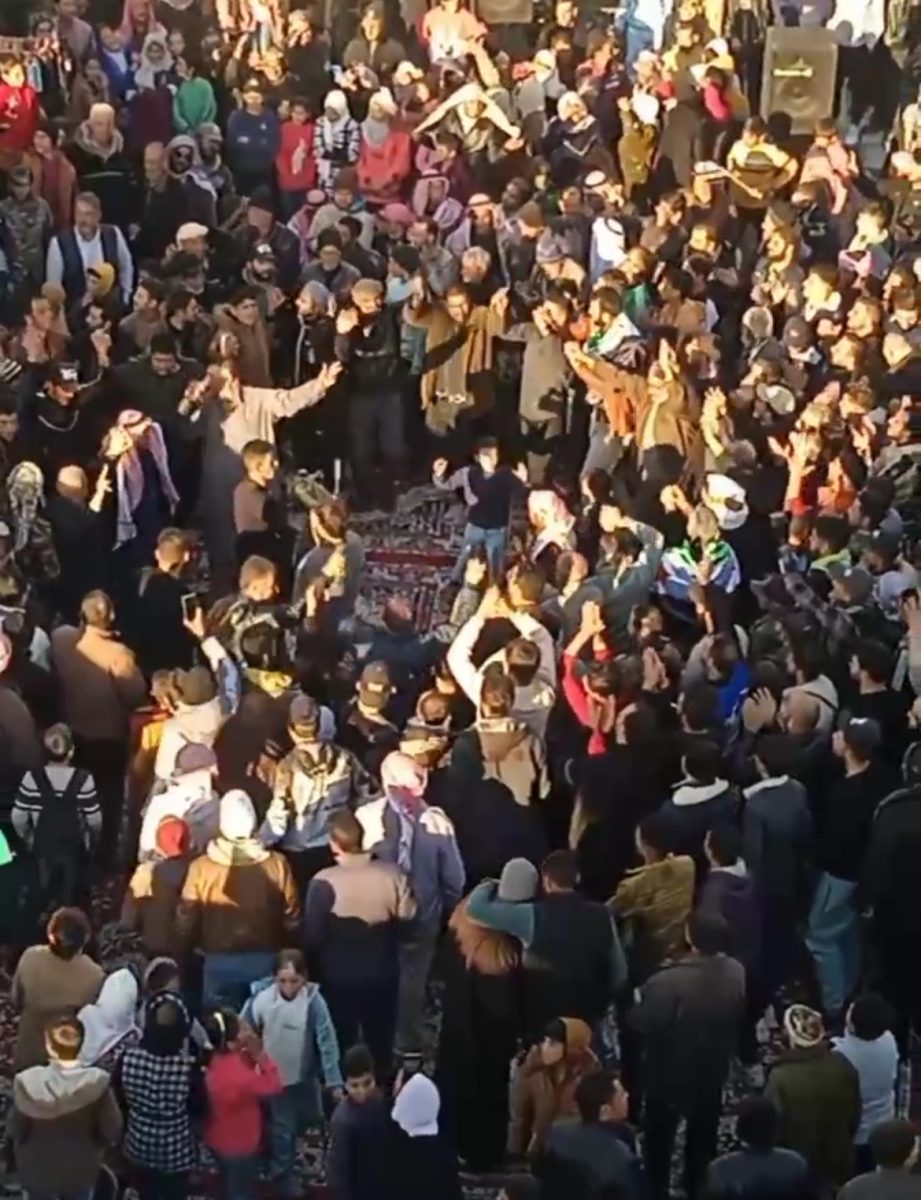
[(817, 1093), (194, 105)]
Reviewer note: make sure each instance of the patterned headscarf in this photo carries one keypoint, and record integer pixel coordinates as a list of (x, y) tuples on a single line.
[(25, 488)]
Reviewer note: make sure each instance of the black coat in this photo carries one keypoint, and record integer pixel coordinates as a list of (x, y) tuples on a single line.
[(419, 1168), (482, 1020), (688, 1017)]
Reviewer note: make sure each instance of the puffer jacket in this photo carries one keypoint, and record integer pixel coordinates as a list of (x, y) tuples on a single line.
[(311, 783)]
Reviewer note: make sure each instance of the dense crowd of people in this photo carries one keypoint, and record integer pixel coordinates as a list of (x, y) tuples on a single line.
[(626, 836)]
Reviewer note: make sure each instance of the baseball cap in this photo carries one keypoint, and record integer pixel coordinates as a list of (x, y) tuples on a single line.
[(64, 375), (304, 710), (21, 175), (854, 584), (263, 252), (862, 735), (374, 683)]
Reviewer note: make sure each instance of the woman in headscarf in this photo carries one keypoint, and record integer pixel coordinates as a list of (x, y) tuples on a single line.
[(419, 1162), (553, 528), (138, 21), (161, 1090), (32, 544), (109, 1025), (544, 1088), (90, 86), (481, 1022), (385, 154), (150, 110), (338, 138), (152, 897)]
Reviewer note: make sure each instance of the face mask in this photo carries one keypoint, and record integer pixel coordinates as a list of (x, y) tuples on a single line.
[(398, 290)]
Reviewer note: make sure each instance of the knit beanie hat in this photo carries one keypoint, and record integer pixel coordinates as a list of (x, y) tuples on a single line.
[(518, 881), (803, 1025), (172, 837)]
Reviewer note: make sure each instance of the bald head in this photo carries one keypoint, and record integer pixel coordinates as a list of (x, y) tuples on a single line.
[(156, 166), (72, 483), (801, 712)]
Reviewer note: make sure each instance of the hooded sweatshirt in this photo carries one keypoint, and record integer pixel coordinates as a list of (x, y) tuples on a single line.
[(297, 1034), (111, 1020), (192, 798), (190, 723), (63, 1118)]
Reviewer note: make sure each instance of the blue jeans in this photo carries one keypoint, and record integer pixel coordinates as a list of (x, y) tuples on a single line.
[(493, 542), (289, 1115), (238, 1176), (227, 977), (834, 940)]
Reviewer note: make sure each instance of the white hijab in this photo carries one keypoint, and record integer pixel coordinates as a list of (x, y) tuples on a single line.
[(416, 1107), (111, 1018)]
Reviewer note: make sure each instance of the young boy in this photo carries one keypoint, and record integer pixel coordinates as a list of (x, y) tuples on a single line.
[(358, 1132), (258, 509), (490, 491), (64, 1117)]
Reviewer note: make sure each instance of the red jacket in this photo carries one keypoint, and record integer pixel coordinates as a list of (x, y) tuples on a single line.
[(295, 163), (19, 112), (235, 1088)]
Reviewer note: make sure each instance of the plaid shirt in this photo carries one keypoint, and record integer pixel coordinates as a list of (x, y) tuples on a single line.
[(836, 624), (157, 1091)]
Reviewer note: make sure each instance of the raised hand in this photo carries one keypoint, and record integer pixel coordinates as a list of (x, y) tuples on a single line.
[(329, 374)]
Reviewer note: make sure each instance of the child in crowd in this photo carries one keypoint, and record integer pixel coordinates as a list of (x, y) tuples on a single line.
[(293, 1020), (489, 492), (358, 1130), (239, 1077)]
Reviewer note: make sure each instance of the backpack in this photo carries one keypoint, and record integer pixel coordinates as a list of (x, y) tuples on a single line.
[(59, 830)]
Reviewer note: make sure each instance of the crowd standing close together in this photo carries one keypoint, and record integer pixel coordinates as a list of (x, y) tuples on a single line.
[(626, 837)]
